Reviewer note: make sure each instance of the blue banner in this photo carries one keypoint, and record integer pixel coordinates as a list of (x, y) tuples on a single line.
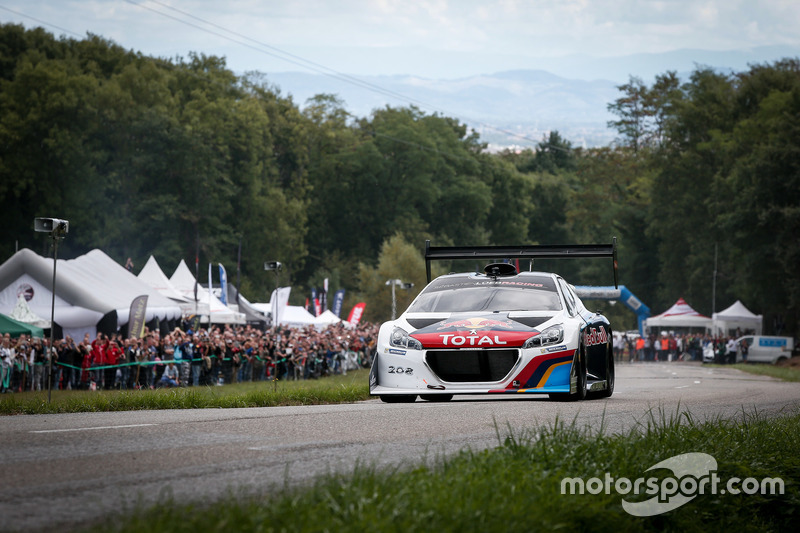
[(223, 283), (313, 309), (338, 300)]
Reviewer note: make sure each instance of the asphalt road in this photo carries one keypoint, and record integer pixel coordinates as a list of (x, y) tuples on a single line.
[(68, 470)]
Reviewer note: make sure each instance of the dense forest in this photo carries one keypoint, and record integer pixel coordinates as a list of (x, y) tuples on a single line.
[(181, 158)]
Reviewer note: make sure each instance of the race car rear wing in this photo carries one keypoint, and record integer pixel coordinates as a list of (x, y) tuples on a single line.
[(538, 251)]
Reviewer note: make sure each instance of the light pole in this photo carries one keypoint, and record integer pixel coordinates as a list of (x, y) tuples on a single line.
[(397, 283), (57, 229), (276, 267)]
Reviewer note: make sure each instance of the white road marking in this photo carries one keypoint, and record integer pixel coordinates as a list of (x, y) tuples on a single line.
[(92, 428)]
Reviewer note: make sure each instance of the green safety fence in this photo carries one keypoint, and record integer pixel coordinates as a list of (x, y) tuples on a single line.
[(148, 363)]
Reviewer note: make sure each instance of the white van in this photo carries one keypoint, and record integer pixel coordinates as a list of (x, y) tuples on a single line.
[(764, 349)]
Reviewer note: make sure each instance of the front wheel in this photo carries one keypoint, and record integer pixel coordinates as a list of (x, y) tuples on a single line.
[(579, 371), (610, 377), (398, 398)]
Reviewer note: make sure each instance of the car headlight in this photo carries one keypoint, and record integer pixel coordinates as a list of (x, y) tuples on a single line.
[(401, 339), (552, 335)]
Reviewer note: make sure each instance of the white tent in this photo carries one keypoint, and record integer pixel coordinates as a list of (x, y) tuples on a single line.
[(680, 315), (155, 277), (240, 304), (92, 291), (737, 316), (326, 319), (219, 313), (292, 316), (295, 316)]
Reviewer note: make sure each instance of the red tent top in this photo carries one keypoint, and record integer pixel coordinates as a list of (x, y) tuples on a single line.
[(680, 308)]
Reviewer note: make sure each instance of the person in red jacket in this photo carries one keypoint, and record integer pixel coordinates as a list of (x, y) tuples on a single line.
[(673, 348), (98, 357), (114, 356)]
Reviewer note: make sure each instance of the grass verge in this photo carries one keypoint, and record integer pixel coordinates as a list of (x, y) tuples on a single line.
[(786, 373), (332, 389), (517, 486)]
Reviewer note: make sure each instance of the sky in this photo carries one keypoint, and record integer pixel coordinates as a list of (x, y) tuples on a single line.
[(426, 38)]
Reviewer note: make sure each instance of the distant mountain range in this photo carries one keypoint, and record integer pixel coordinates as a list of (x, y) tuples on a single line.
[(520, 107)]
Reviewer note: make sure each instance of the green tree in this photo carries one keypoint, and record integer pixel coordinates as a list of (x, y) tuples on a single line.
[(398, 259), (631, 108)]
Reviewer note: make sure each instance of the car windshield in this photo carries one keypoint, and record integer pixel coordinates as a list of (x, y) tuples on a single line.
[(480, 294)]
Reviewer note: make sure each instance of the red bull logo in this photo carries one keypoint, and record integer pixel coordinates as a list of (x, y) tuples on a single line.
[(595, 337), (476, 323)]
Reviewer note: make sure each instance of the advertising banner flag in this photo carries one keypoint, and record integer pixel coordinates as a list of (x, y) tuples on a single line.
[(356, 312), (194, 322), (338, 300), (313, 309), (196, 272), (279, 300), (223, 283), (317, 307), (136, 318)]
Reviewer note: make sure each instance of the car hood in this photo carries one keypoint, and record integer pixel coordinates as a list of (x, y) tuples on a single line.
[(476, 330)]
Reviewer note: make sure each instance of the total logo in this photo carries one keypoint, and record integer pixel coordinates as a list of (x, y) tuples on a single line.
[(451, 339), (472, 339), (595, 336)]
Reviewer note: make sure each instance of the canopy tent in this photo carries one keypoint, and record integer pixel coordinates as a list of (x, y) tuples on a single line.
[(680, 315), (152, 274), (239, 303), (15, 328), (326, 319), (218, 313), (291, 316), (92, 292), (737, 316)]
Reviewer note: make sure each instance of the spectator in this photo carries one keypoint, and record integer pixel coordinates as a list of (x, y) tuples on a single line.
[(639, 349), (730, 351), (744, 349), (37, 363), (98, 358), (170, 376), (113, 373), (7, 356)]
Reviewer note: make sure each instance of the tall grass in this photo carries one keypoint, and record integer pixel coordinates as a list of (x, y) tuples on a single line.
[(332, 389), (516, 487), (786, 373)]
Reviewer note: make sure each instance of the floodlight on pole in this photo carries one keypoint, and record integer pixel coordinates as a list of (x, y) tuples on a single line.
[(397, 283), (275, 266), (58, 229)]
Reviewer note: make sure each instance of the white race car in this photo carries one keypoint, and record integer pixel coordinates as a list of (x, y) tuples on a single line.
[(496, 332)]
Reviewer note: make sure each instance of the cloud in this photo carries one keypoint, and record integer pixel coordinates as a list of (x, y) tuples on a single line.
[(325, 30)]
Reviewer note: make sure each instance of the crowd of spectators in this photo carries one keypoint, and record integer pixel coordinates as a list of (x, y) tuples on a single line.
[(182, 357), (229, 354), (670, 346)]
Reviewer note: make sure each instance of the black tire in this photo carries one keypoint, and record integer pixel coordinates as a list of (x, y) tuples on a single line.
[(398, 398), (436, 397), (580, 384), (610, 377)]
